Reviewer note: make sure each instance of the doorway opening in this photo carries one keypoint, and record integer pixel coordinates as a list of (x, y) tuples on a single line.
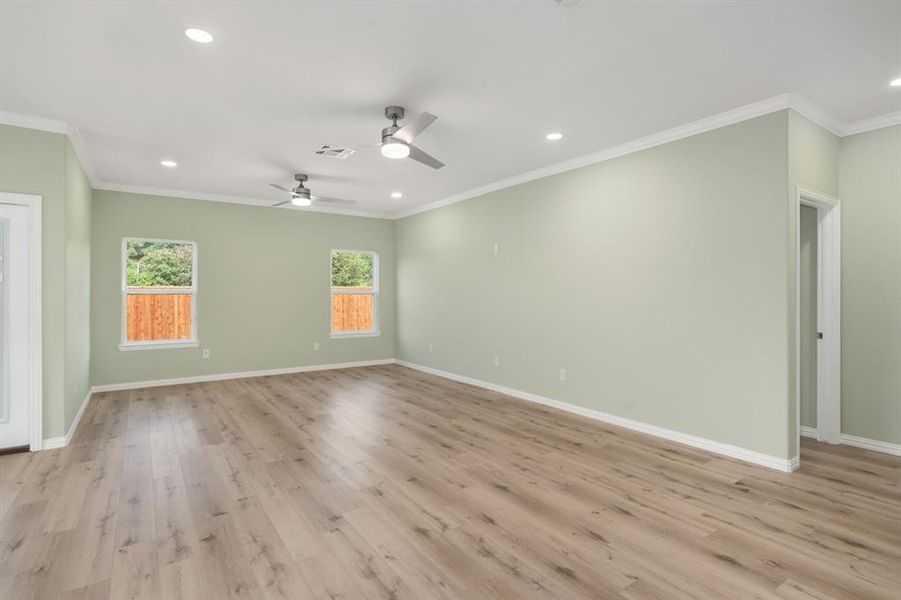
[(818, 317)]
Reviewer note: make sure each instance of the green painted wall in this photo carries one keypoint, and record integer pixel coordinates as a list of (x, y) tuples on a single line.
[(808, 316), (813, 155), (812, 164), (870, 191), (864, 172), (263, 286), (658, 280), (78, 285), (42, 163)]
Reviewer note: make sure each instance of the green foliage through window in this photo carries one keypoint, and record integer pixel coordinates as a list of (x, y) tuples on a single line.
[(351, 269), (159, 264)]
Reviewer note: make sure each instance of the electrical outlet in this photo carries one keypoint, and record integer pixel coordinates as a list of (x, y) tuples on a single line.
[(562, 374), (205, 353), (497, 360), (431, 347), (316, 346)]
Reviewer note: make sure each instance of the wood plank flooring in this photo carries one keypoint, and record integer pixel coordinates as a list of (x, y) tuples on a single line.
[(386, 483)]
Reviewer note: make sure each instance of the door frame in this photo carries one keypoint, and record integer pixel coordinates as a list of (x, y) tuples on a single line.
[(829, 277), (33, 204)]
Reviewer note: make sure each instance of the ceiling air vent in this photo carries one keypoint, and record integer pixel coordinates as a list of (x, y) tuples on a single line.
[(334, 152)]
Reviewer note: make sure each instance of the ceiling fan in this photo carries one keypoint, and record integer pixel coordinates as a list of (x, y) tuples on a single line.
[(301, 196), (397, 140)]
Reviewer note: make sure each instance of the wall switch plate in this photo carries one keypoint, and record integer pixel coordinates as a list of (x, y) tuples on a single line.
[(431, 347), (497, 248), (316, 346), (562, 374), (497, 361), (205, 353)]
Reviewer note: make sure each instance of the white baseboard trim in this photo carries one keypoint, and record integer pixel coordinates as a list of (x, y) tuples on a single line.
[(133, 385), (858, 442), (758, 458), (751, 456), (54, 443), (868, 444), (63, 440)]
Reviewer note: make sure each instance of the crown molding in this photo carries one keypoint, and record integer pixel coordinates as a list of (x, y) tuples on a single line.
[(750, 111), (53, 126), (78, 146), (796, 102), (812, 112), (33, 122), (74, 135), (155, 191), (880, 122)]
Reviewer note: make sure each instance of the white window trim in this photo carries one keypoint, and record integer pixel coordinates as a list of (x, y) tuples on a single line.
[(375, 331), (124, 344)]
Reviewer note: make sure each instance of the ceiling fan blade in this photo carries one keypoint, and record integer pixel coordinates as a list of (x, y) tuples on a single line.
[(280, 187), (282, 203), (426, 159), (324, 200), (414, 127)]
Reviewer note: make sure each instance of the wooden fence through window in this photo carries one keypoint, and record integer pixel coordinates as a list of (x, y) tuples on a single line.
[(156, 317), (153, 317), (352, 312)]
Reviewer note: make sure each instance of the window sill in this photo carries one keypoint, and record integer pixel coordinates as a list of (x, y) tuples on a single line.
[(158, 345), (355, 334)]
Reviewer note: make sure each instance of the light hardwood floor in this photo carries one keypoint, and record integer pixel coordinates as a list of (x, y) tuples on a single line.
[(385, 483)]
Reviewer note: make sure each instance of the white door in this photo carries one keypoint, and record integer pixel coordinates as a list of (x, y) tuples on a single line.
[(15, 351)]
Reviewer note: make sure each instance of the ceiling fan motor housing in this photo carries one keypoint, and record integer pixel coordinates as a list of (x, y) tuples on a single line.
[(393, 113), (388, 132)]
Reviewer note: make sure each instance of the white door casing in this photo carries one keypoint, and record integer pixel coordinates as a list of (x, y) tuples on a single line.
[(20, 322), (828, 314), (14, 343)]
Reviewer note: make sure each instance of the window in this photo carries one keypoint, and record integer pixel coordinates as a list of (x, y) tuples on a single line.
[(355, 293), (159, 293)]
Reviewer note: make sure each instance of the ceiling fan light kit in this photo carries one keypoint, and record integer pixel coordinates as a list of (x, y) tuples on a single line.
[(301, 195), (396, 144), (397, 141), (395, 149), (300, 200)]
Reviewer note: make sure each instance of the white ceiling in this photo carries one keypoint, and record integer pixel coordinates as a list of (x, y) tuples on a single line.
[(283, 78)]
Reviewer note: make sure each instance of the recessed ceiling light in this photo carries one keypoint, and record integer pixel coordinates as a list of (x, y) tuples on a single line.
[(169, 163), (199, 35), (895, 82), (396, 195), (554, 136)]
